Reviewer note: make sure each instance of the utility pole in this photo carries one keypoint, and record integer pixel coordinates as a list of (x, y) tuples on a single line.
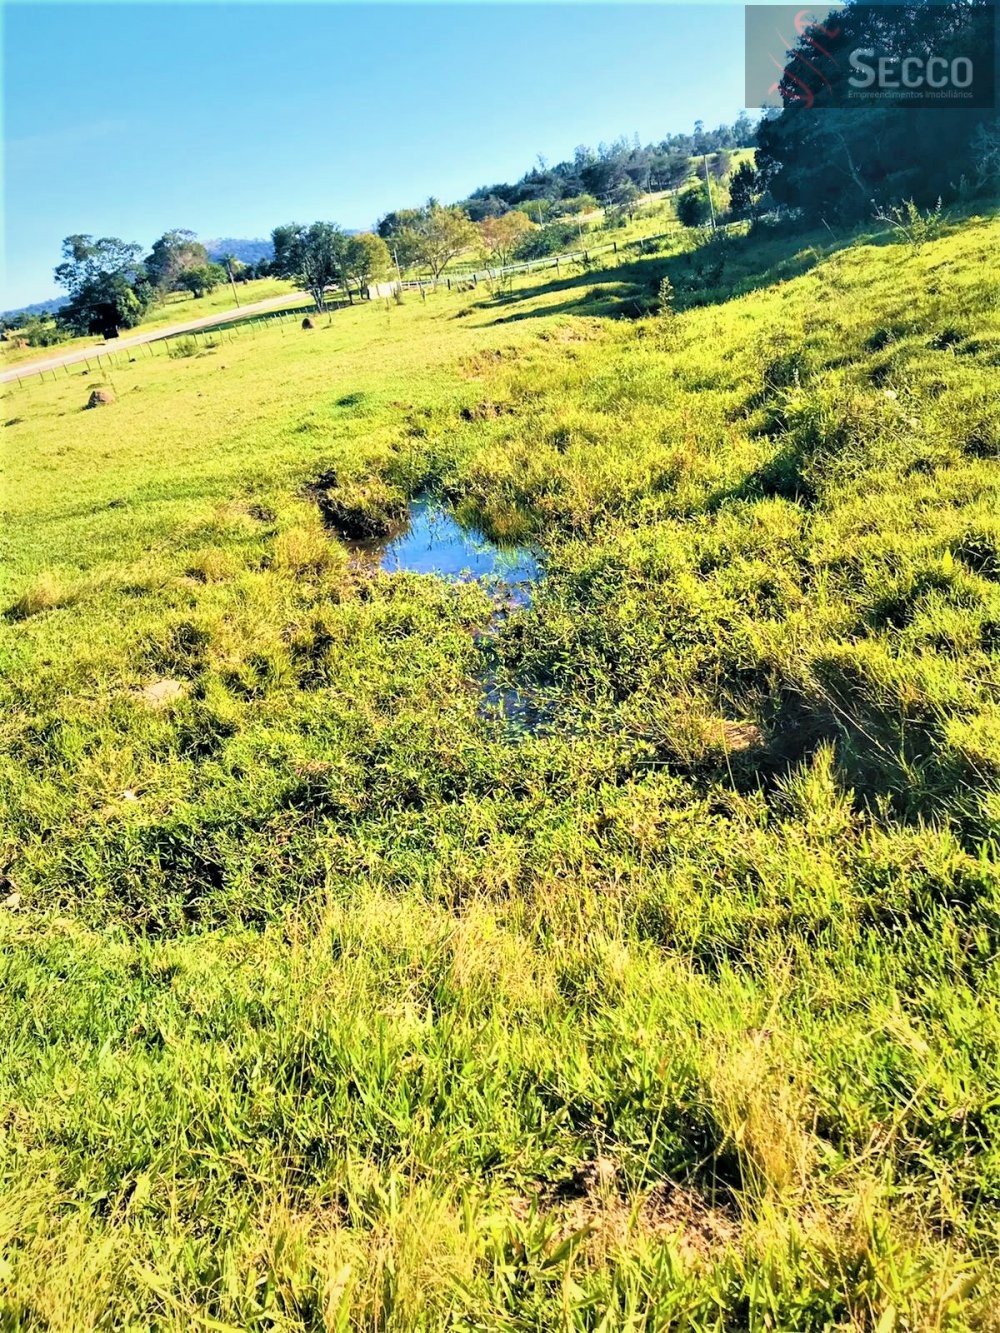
[(232, 280), (708, 190)]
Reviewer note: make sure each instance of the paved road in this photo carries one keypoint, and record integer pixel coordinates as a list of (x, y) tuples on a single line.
[(120, 344)]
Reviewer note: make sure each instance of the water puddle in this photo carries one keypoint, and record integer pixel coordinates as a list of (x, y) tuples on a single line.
[(434, 542)]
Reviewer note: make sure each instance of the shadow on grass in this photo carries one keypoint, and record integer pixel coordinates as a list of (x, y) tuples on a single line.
[(717, 271)]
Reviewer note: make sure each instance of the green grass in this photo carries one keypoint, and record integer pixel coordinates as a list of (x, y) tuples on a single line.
[(330, 1002)]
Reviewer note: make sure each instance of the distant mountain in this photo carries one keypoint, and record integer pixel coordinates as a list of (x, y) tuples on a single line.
[(37, 308), (248, 251)]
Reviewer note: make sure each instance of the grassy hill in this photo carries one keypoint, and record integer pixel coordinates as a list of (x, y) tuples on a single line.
[(332, 998), (654, 215)]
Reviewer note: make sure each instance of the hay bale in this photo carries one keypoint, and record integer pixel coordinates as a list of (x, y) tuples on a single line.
[(99, 397), (307, 323)]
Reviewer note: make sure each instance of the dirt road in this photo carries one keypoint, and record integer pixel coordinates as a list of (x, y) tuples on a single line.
[(135, 340)]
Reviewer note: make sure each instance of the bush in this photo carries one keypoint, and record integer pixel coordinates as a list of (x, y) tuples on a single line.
[(40, 331), (693, 208), (551, 239), (577, 203), (911, 224)]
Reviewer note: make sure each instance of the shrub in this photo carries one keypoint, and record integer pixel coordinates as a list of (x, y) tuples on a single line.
[(913, 225), (181, 347), (41, 331), (551, 239), (693, 208)]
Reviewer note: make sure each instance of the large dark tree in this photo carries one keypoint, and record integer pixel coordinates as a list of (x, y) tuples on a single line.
[(107, 285), (746, 192), (175, 253), (830, 159)]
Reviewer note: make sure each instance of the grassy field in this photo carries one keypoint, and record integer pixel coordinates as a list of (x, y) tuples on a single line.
[(331, 999)]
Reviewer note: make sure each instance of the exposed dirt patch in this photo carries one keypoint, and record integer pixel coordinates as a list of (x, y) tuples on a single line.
[(741, 736), (162, 692), (359, 510), (477, 365), (487, 410), (592, 1201), (701, 1229)]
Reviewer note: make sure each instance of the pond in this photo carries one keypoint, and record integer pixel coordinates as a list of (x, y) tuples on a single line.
[(434, 542)]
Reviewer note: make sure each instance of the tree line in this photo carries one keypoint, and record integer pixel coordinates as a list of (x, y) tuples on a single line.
[(841, 166), (111, 285)]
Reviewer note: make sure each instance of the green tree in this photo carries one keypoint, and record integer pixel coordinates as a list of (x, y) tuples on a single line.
[(312, 256), (200, 280), (172, 255), (693, 208), (106, 282), (578, 203), (746, 192), (539, 210), (624, 196), (366, 259), (551, 239), (399, 229), (438, 235), (833, 165)]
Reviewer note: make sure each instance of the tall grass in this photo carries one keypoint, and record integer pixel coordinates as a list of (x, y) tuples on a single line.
[(331, 999)]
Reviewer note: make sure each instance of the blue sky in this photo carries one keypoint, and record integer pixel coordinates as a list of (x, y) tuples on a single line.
[(129, 119)]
